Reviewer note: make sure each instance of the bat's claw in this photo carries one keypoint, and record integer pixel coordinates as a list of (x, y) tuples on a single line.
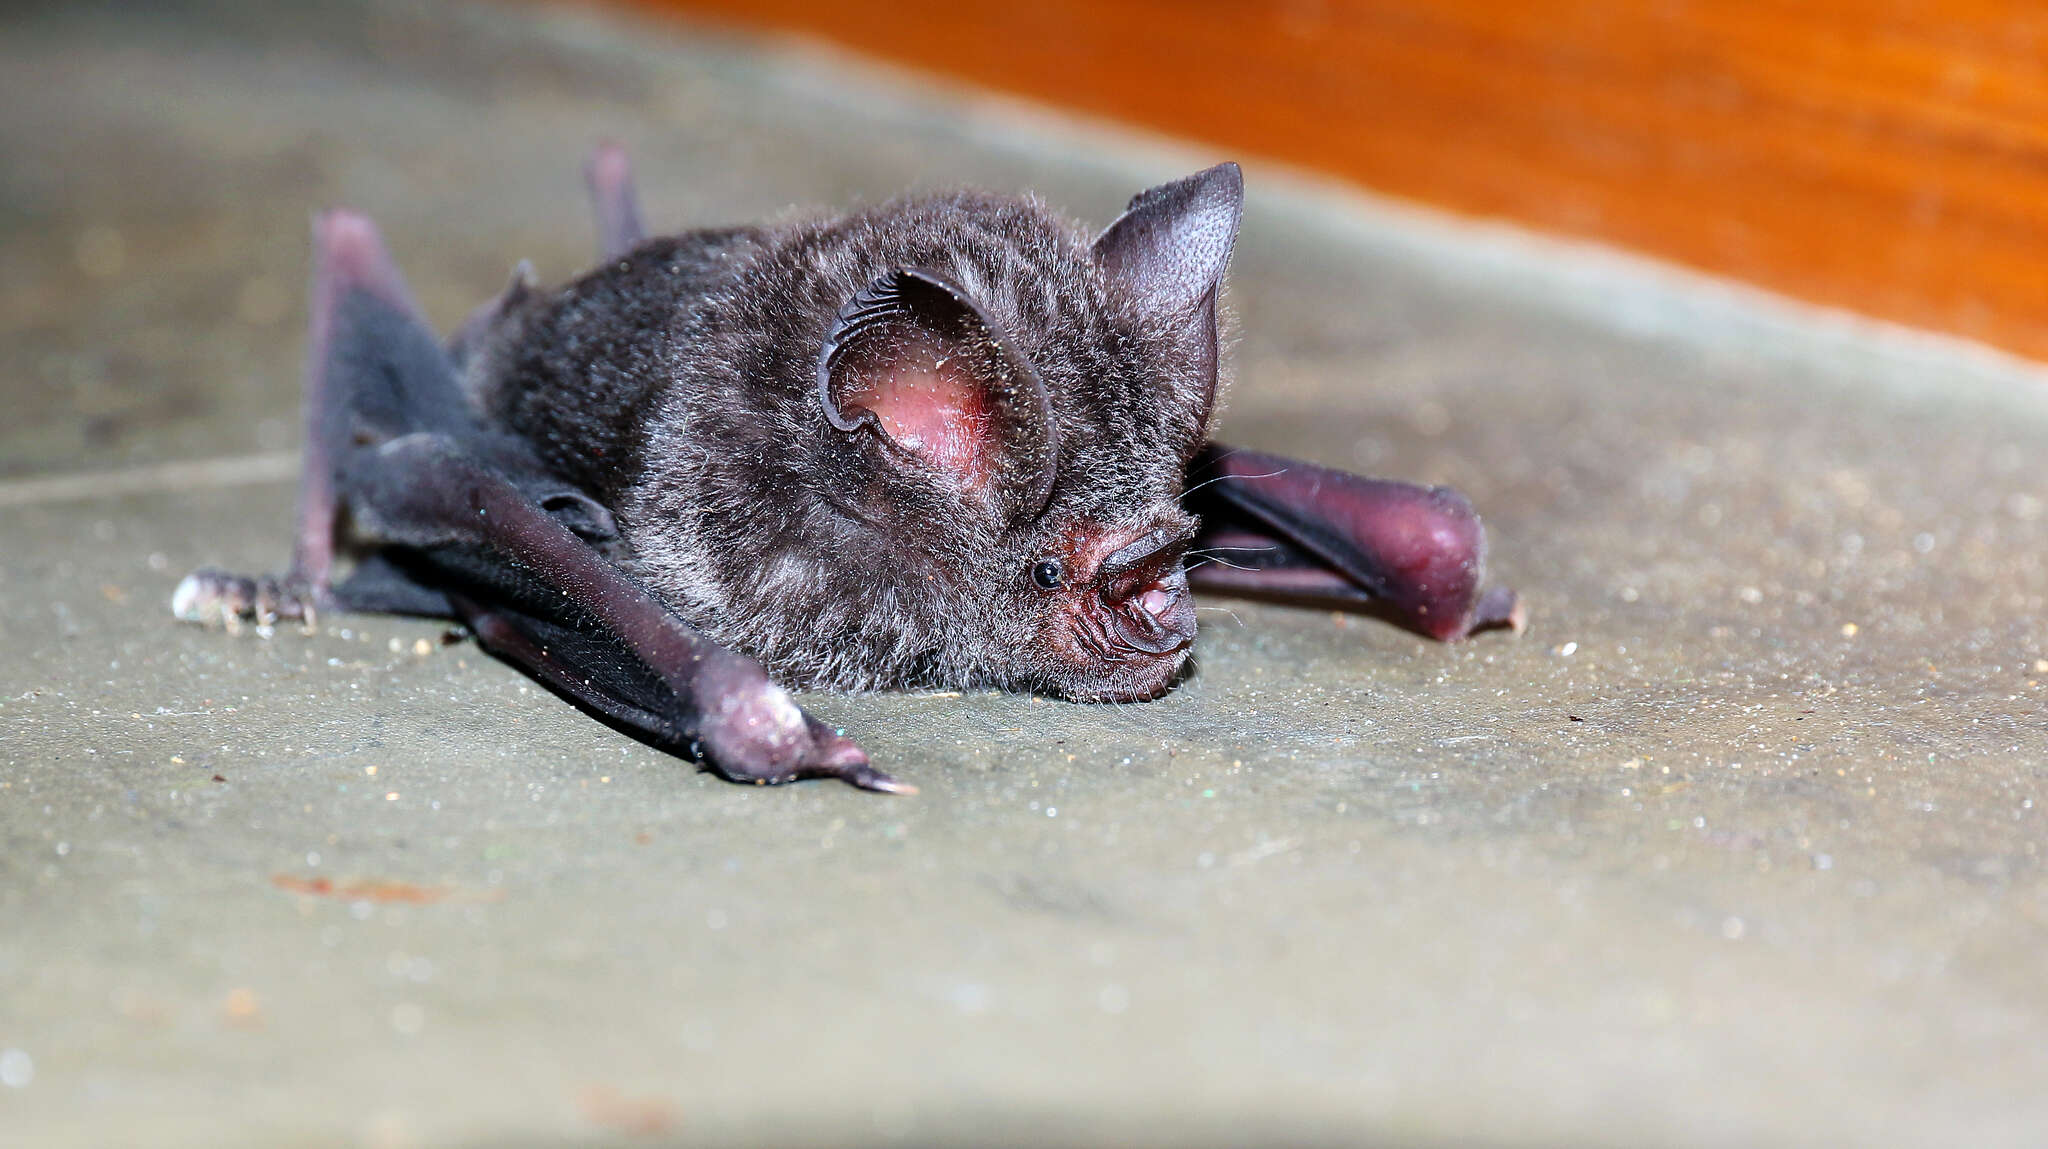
[(869, 778), (212, 597), (1497, 608), (834, 755), (761, 736)]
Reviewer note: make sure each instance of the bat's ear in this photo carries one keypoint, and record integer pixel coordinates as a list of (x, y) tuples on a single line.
[(1174, 241), (1171, 247), (917, 359)]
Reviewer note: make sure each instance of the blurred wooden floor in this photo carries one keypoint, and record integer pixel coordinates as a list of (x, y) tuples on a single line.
[(1888, 156)]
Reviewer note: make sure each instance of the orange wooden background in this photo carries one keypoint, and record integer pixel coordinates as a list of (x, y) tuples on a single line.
[(1889, 156)]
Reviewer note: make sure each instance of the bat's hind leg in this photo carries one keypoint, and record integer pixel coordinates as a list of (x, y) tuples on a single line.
[(355, 286)]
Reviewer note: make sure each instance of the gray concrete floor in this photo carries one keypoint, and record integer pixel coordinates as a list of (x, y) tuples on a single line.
[(1739, 844)]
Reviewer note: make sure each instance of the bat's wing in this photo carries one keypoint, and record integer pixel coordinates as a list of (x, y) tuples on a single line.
[(1281, 528), (541, 596), (462, 522)]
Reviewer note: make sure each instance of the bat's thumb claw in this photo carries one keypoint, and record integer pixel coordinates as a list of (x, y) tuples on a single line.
[(837, 756), (880, 783), (1497, 608), (859, 774)]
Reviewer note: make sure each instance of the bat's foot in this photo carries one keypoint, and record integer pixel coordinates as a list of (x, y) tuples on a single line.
[(212, 597)]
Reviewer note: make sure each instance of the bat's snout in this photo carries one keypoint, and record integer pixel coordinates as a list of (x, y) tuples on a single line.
[(1131, 646), (1159, 619)]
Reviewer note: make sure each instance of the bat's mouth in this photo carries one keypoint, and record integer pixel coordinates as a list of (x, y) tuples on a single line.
[(1137, 681)]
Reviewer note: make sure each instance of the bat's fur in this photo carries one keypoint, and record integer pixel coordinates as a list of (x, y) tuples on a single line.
[(675, 384)]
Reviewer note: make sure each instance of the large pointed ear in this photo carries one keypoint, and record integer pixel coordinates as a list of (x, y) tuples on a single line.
[(1174, 241), (917, 360), (1171, 247)]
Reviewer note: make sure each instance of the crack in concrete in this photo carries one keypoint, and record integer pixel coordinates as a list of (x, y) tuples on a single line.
[(179, 475)]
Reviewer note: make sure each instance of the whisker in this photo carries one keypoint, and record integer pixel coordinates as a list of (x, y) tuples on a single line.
[(1220, 478), (1207, 559), (1229, 453), (1225, 610)]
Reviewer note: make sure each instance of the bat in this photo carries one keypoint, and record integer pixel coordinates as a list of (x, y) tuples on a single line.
[(949, 442)]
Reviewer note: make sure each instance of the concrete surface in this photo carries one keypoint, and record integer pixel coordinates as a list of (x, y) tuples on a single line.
[(1739, 845)]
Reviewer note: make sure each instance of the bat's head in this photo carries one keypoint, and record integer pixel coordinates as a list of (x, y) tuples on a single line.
[(1012, 409)]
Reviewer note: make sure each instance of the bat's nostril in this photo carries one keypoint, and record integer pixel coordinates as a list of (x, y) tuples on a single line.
[(1156, 601)]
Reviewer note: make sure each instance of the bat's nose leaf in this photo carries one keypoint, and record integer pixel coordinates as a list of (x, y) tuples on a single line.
[(1158, 619)]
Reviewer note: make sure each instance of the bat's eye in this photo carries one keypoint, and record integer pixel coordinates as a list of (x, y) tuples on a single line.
[(1048, 574)]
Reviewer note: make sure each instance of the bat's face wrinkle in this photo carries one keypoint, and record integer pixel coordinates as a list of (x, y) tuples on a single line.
[(1090, 635)]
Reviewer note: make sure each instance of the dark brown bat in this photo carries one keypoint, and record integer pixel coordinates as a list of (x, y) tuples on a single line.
[(948, 442)]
